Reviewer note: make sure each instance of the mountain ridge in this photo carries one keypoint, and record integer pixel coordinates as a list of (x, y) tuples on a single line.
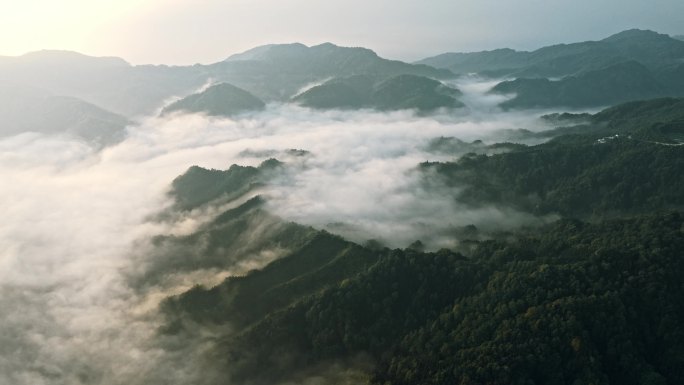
[(550, 61), (618, 83), (277, 72)]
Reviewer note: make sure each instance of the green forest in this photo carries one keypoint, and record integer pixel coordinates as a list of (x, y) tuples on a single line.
[(578, 303)]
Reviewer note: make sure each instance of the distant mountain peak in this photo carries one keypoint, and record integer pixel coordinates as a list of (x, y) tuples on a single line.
[(277, 51), (635, 33), (653, 49), (327, 44), (68, 57), (262, 51)]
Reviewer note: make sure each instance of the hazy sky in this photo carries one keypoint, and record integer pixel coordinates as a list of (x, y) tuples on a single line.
[(190, 31)]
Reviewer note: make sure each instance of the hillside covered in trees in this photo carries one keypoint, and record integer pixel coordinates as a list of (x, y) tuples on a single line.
[(594, 303), (626, 159), (593, 298)]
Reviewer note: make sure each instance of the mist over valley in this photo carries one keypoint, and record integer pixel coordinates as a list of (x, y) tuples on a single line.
[(321, 214)]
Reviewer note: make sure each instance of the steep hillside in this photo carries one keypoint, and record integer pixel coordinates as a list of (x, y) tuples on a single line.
[(626, 160), (199, 186), (573, 302)]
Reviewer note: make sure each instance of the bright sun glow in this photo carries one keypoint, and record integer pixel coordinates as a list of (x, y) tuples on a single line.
[(30, 25)]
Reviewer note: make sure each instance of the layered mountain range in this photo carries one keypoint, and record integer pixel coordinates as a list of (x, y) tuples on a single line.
[(586, 288), (630, 65)]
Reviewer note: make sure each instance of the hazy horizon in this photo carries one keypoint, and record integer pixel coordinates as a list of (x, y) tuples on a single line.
[(155, 32), (229, 54)]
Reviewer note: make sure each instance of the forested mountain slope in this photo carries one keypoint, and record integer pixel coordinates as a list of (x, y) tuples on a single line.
[(574, 302)]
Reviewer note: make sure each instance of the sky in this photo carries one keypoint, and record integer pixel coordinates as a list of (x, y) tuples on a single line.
[(206, 31)]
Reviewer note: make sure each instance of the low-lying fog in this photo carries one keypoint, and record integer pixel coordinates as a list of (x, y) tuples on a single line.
[(72, 215)]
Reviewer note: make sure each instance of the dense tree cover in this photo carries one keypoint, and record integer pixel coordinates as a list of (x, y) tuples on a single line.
[(319, 262), (662, 117), (566, 118), (198, 186), (455, 146), (572, 175), (237, 240), (242, 236), (575, 303), (396, 93), (625, 161), (578, 303)]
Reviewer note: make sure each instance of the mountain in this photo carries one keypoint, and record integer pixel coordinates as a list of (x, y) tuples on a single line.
[(400, 92), (649, 48), (630, 65), (594, 297), (243, 233), (243, 237), (280, 72), (328, 59), (533, 306), (218, 100), (617, 83), (271, 73), (290, 67), (409, 91), (323, 260), (626, 160), (109, 83), (503, 60), (25, 109), (199, 186), (342, 93), (678, 37), (543, 308), (643, 113), (673, 79)]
